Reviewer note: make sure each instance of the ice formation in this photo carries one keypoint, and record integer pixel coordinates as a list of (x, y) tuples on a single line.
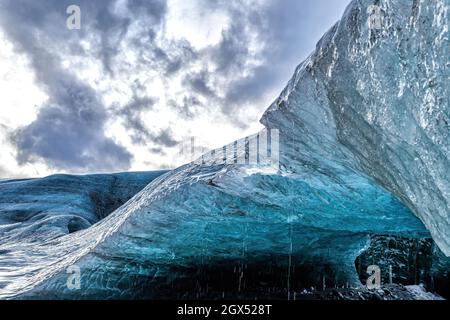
[(364, 118), (380, 97), (60, 204)]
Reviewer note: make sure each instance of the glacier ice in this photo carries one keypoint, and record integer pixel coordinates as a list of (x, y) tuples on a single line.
[(54, 206), (364, 118), (381, 99), (202, 215)]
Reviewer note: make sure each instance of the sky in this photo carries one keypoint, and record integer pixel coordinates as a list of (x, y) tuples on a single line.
[(140, 77)]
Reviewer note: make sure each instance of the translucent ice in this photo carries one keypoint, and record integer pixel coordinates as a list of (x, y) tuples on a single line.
[(378, 100)]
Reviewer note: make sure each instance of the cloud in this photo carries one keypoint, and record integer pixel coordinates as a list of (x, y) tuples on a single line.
[(112, 31), (68, 130), (286, 32), (257, 52), (131, 115), (134, 73), (69, 136), (113, 26), (198, 82), (188, 108), (165, 138)]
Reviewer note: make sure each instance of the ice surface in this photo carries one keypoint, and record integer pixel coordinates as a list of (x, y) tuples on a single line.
[(378, 102), (202, 215), (366, 113), (54, 206)]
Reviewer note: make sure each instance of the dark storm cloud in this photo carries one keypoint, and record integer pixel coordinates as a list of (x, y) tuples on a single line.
[(288, 31), (68, 131), (113, 28), (198, 82), (174, 66), (132, 115), (232, 51), (159, 151), (291, 30), (165, 138)]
